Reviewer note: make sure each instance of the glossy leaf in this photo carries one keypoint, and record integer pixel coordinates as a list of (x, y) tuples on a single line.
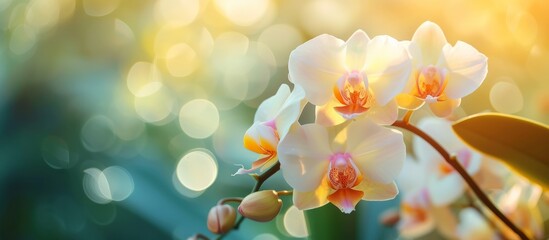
[(520, 143)]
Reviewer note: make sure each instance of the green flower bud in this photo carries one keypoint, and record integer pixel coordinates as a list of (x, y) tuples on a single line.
[(221, 219), (261, 206)]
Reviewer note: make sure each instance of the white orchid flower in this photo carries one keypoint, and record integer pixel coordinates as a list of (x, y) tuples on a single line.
[(442, 74), (271, 123), (341, 166), (349, 79)]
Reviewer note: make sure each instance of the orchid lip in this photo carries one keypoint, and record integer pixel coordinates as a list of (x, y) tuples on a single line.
[(353, 93)]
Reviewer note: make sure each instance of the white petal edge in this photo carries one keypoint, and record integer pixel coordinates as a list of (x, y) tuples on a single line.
[(312, 199), (269, 108), (426, 44), (290, 111), (375, 191), (326, 115), (384, 115), (355, 50), (467, 69), (304, 156), (316, 65), (388, 68), (377, 151)]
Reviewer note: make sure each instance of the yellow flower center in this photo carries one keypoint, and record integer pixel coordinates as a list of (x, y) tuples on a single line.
[(353, 93), (430, 82)]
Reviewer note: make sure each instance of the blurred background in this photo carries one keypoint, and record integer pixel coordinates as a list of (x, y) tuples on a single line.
[(124, 119)]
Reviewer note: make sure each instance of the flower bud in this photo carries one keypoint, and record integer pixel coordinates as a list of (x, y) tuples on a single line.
[(261, 206), (221, 219)]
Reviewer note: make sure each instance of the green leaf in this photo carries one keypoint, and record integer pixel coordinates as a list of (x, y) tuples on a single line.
[(520, 143)]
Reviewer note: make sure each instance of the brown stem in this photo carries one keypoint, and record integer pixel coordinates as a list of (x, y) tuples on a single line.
[(285, 192), (454, 163), (260, 179)]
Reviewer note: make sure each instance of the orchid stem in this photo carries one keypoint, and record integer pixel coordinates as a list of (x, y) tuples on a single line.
[(407, 116), (260, 179), (285, 193), (454, 163)]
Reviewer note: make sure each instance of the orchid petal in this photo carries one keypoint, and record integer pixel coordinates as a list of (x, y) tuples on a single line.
[(467, 69), (375, 191), (326, 115), (268, 109), (290, 111), (312, 199), (378, 152), (355, 50), (427, 43), (345, 199), (445, 190), (444, 108), (408, 101), (316, 66), (388, 68), (304, 156), (384, 115)]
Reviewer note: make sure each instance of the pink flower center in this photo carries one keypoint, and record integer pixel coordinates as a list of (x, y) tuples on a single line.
[(352, 92), (430, 82), (342, 173)]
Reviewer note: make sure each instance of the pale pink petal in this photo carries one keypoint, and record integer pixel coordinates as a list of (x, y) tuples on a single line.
[(444, 108), (388, 68), (427, 43), (268, 109), (377, 151), (326, 115), (466, 67), (445, 190), (304, 156), (312, 199), (316, 65), (375, 191), (355, 50), (290, 111), (384, 115)]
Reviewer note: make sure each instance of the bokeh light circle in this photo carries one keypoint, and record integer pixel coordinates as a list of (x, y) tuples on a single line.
[(243, 12), (119, 183), (56, 153), (143, 79), (177, 12), (197, 170), (181, 60), (99, 8), (199, 118), (97, 134), (506, 97), (295, 223)]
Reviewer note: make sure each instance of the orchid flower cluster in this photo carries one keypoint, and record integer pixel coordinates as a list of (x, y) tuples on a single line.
[(353, 151)]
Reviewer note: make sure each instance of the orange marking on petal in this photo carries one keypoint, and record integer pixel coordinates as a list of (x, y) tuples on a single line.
[(251, 144), (346, 199), (445, 168)]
